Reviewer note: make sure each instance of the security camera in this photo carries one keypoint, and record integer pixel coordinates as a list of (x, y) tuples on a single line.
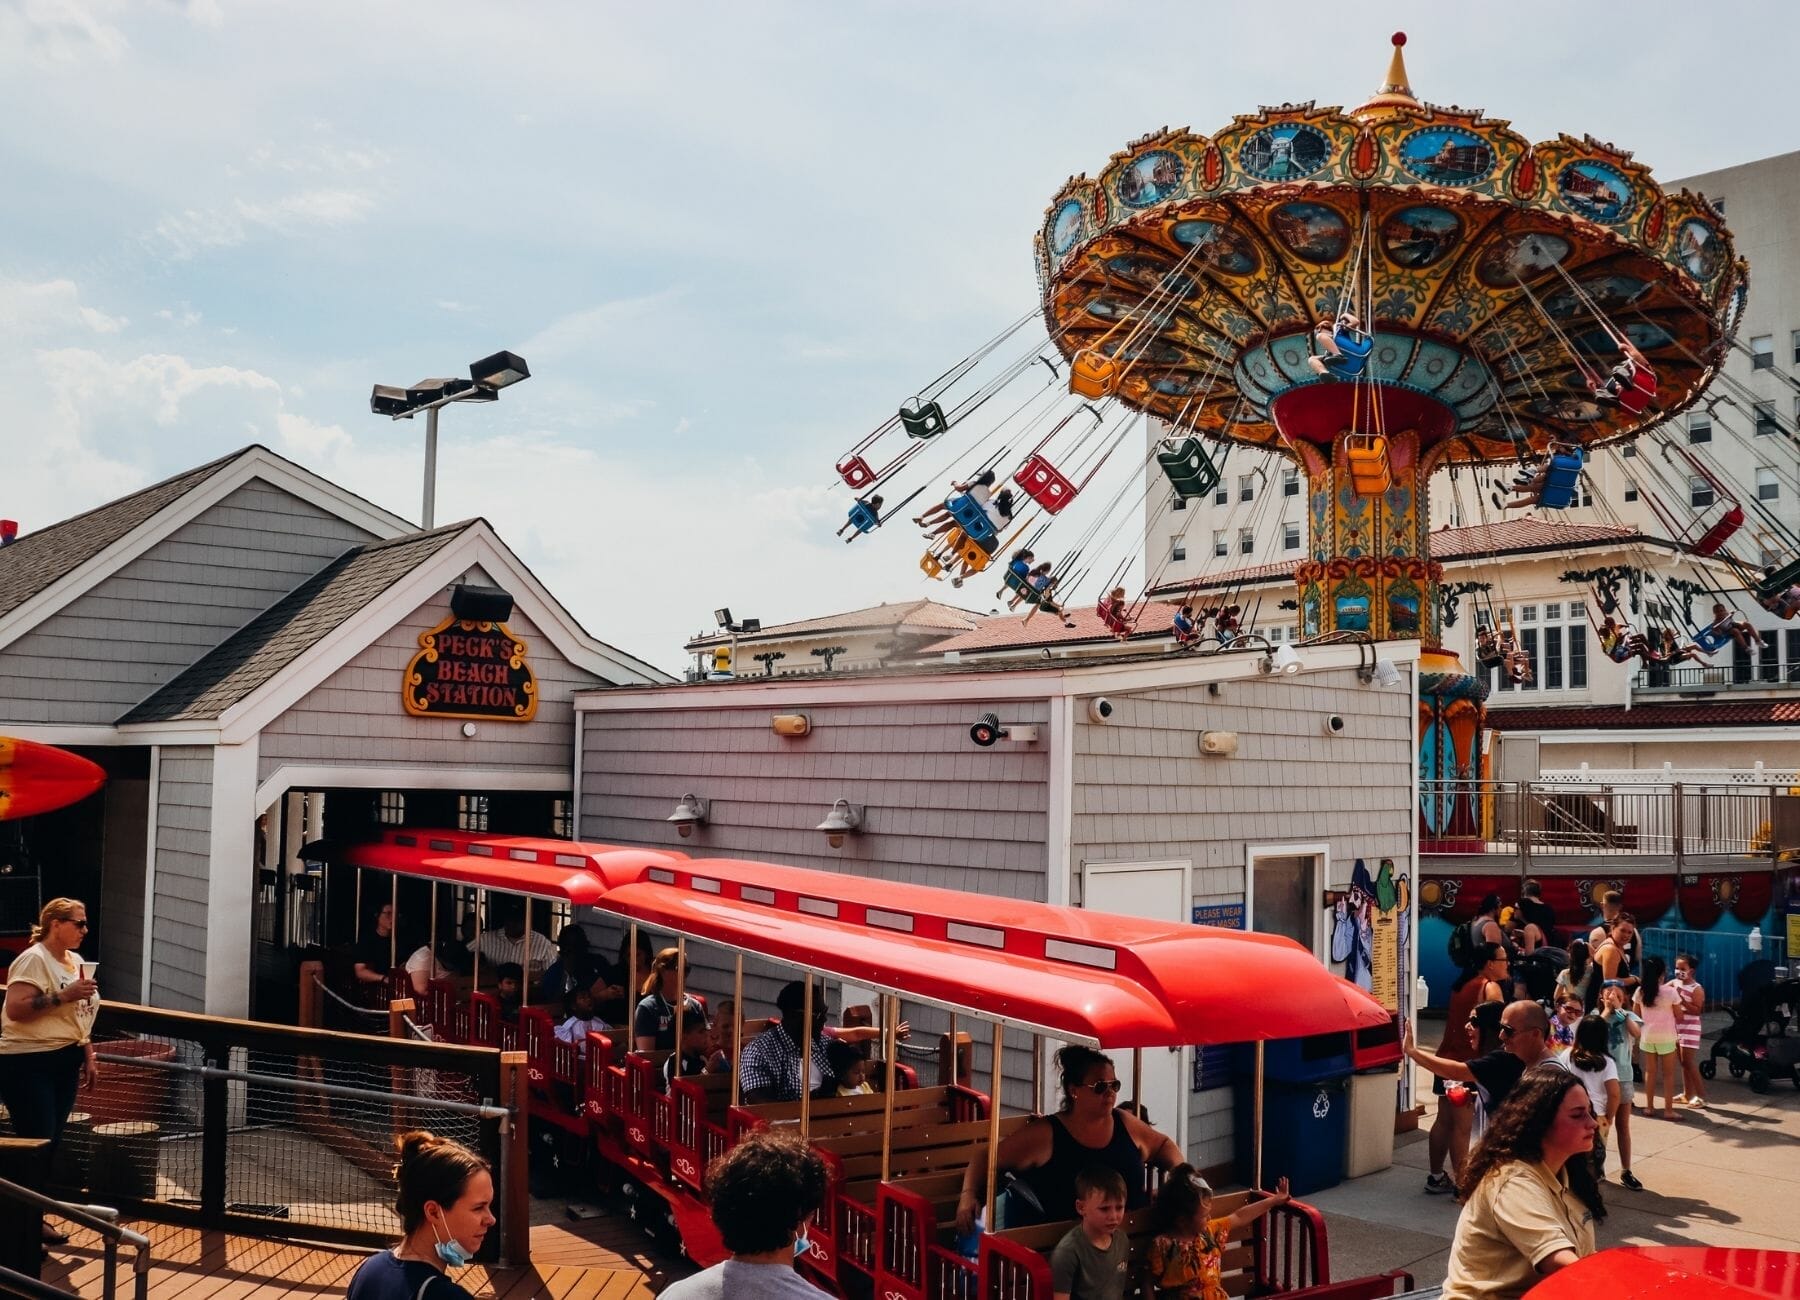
[(987, 730), (1100, 709), (1334, 724)]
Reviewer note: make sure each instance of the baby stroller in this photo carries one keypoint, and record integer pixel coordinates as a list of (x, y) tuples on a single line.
[(1746, 1043), (1537, 971)]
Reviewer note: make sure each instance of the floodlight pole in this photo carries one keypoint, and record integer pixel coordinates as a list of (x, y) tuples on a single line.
[(428, 512)]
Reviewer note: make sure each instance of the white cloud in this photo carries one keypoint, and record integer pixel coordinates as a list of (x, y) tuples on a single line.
[(307, 440), (187, 317), (60, 35), (86, 386), (186, 234), (33, 310)]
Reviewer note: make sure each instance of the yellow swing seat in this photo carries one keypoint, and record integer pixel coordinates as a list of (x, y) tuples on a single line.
[(1093, 374), (1370, 473)]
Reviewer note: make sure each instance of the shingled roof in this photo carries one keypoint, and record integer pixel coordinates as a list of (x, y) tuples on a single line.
[(39, 559), (922, 616), (254, 654), (1616, 717)]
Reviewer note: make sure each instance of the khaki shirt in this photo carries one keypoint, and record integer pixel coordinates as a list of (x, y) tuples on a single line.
[(1520, 1216), (58, 1026)]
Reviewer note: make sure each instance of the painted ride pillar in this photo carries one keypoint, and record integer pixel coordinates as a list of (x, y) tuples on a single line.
[(1455, 809), (1370, 568)]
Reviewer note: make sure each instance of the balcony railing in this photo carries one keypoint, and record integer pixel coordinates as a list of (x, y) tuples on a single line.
[(1557, 819), (1695, 680)]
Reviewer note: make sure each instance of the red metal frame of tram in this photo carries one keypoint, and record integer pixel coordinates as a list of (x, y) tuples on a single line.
[(1061, 972)]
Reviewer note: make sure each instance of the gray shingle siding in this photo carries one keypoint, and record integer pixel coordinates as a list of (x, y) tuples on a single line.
[(140, 627), (183, 867), (354, 717), (939, 811)]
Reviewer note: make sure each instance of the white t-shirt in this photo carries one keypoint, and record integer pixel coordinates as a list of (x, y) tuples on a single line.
[(423, 963), (1594, 1081)]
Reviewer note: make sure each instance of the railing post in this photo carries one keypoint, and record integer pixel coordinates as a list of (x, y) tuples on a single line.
[(1677, 822), (1521, 806), (515, 1158), (311, 972), (400, 1079), (214, 1118)]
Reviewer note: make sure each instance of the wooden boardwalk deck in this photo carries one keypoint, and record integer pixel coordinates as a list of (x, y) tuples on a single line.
[(599, 1259)]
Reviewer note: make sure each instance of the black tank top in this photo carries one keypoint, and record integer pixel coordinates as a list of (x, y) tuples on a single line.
[(1053, 1182)]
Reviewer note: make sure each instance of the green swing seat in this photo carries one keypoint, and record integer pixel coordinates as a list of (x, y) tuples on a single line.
[(1191, 471)]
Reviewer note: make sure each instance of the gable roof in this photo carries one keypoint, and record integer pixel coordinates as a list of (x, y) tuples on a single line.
[(256, 652), (1078, 627), (38, 559), (923, 615), (45, 570)]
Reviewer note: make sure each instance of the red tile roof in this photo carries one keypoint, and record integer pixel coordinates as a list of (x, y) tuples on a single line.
[(921, 615), (1722, 713), (1507, 537)]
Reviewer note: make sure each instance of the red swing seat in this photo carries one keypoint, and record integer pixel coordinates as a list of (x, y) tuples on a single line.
[(1117, 624), (856, 472), (1640, 392), (1045, 484), (1720, 533)]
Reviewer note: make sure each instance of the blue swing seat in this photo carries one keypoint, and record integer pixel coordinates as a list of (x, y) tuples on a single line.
[(1711, 639), (1561, 480), (863, 519), (1354, 347), (971, 517)]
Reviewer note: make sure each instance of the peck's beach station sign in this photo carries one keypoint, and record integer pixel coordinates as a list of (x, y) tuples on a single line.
[(470, 668)]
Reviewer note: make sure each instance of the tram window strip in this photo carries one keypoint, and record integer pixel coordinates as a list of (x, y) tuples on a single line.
[(482, 850), (662, 877), (294, 1085), (412, 842), (437, 846), (818, 907), (707, 885), (886, 920), (1081, 954), (522, 855), (570, 860), (757, 894), (985, 936)]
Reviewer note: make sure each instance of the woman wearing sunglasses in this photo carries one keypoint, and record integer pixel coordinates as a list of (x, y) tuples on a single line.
[(1046, 1155), (45, 1020)]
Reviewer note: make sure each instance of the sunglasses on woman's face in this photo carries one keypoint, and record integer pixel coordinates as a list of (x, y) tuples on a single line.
[(1104, 1087)]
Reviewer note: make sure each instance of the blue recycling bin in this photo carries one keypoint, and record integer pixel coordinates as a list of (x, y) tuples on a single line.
[(1304, 1131)]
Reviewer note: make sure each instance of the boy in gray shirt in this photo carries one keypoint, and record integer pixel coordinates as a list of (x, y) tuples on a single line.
[(1093, 1261)]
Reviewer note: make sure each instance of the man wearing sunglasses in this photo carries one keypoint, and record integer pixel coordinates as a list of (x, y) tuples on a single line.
[(1524, 1042)]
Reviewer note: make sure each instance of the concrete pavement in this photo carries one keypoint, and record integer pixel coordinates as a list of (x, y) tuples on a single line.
[(1727, 1175)]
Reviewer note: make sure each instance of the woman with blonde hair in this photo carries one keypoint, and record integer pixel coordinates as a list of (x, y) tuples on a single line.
[(653, 1024), (46, 1055), (445, 1199)]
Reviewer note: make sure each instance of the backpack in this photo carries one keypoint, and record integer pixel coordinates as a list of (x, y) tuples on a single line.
[(1462, 945)]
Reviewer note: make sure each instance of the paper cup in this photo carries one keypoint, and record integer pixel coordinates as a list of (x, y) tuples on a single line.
[(89, 969)]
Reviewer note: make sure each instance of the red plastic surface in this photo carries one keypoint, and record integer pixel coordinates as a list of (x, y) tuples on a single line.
[(1691, 1272), (38, 778)]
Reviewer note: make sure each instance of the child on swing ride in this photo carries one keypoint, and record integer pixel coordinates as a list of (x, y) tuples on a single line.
[(1730, 622), (1112, 613), (1185, 627), (873, 503), (1620, 643), (1325, 340), (1228, 622), (936, 521), (1018, 577), (1527, 485), (1783, 605), (1622, 374), (1672, 652), (1487, 647)]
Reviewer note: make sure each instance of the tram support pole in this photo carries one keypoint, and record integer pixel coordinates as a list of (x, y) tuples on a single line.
[(680, 1003), (890, 1005), (1037, 1072), (993, 1157), (1137, 1075), (475, 976), (1256, 1164), (737, 1024), (806, 1042), (394, 922), (432, 965), (525, 966), (631, 990)]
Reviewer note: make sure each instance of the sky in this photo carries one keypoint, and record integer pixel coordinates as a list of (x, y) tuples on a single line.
[(727, 238)]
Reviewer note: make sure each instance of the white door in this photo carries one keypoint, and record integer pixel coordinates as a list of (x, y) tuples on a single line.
[(1158, 891)]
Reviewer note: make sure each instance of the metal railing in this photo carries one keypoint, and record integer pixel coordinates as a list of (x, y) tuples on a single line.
[(284, 1132), (1720, 956), (1697, 680), (96, 1218), (1555, 819)]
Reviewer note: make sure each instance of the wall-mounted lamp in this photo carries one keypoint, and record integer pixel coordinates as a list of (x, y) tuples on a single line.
[(689, 813), (989, 730), (1384, 674), (1283, 660), (845, 818), (790, 724)]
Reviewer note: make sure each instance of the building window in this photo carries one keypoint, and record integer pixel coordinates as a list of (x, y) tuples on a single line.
[(1577, 657), (1246, 487), (1765, 420), (1528, 642), (1794, 338), (471, 812), (1553, 660), (1552, 611), (1767, 488), (391, 808), (1628, 450), (1577, 609), (1762, 352), (1699, 426), (1793, 655), (1587, 491), (1221, 546), (1718, 206), (1700, 492), (1222, 496), (1797, 410), (1527, 613), (1631, 494), (1290, 537), (562, 818), (1177, 549), (1456, 514), (1246, 542), (1179, 503), (1290, 482)]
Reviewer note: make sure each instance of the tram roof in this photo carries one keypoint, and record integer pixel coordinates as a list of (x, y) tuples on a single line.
[(1093, 976)]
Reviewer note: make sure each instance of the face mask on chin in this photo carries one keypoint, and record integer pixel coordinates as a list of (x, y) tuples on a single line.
[(451, 1250), (802, 1244)]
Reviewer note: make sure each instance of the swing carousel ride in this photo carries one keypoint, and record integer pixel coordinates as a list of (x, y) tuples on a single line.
[(1374, 296)]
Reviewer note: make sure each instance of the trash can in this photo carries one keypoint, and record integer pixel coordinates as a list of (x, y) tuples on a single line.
[(1304, 1130), (130, 1092), (1374, 1096), (1297, 1060), (125, 1159)]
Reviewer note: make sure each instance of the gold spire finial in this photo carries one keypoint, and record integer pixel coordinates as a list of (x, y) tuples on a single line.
[(1395, 92)]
